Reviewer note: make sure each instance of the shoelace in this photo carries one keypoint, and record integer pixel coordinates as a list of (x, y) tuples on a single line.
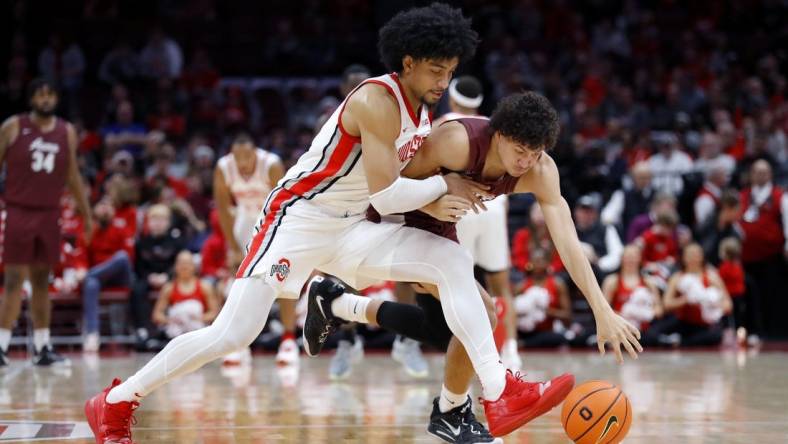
[(330, 326), (516, 375), (121, 424), (471, 420)]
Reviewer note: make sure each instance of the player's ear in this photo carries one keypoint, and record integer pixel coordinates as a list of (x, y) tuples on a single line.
[(408, 64)]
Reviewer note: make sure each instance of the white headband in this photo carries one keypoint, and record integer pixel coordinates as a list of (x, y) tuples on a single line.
[(467, 102)]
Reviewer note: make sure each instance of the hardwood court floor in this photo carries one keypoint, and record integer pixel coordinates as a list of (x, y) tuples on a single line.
[(678, 397)]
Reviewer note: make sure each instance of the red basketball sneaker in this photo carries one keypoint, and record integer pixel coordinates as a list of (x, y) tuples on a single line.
[(523, 401), (111, 423)]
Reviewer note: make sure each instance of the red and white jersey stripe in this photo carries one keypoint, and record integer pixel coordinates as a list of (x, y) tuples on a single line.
[(345, 190), (330, 175)]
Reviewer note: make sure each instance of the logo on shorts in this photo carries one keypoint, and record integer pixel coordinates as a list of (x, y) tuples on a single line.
[(281, 270)]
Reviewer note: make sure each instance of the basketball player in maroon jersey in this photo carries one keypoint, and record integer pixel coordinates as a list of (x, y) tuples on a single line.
[(506, 153), (39, 150)]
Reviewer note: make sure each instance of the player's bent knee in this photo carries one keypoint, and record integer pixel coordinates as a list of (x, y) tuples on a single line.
[(455, 261)]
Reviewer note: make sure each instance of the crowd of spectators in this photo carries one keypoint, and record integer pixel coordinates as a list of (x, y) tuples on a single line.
[(673, 138)]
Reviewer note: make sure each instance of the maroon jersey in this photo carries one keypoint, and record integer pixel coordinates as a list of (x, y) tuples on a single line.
[(479, 138), (37, 164)]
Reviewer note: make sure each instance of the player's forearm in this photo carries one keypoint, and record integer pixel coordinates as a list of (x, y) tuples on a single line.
[(583, 276), (562, 230), (405, 194)]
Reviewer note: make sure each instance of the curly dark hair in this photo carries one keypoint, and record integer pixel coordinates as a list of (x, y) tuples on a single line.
[(527, 118), (38, 83), (432, 32)]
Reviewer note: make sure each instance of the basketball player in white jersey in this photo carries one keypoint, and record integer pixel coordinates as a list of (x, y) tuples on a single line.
[(486, 234), (315, 219), (350, 348), (242, 180)]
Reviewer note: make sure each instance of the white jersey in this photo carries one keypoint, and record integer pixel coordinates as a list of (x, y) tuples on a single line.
[(330, 174), (249, 192)]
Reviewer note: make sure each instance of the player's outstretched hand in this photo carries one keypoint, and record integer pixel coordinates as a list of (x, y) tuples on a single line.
[(471, 191), (448, 208), (612, 328)]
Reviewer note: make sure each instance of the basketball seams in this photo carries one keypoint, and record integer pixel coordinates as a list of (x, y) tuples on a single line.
[(600, 416), (624, 422), (569, 415)]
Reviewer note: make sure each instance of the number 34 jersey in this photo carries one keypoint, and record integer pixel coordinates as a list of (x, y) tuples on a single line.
[(36, 165)]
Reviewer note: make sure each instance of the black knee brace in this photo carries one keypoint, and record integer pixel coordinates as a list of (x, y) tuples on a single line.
[(424, 323)]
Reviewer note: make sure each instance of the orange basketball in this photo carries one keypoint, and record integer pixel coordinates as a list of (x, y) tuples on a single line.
[(596, 412)]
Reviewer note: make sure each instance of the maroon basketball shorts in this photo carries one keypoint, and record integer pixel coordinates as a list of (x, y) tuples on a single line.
[(32, 236)]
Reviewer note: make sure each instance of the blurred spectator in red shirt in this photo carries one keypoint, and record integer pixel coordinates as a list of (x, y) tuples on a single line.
[(110, 253), (535, 235), (764, 222), (214, 252), (732, 274), (166, 119)]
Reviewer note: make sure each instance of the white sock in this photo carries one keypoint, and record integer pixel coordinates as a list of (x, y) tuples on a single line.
[(40, 338), (351, 307), (450, 400), (5, 338), (494, 376), (126, 392)]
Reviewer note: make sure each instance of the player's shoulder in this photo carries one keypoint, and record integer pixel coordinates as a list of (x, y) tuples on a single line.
[(224, 160), (452, 132), (265, 155), (373, 98), (545, 168), (547, 161), (10, 123)]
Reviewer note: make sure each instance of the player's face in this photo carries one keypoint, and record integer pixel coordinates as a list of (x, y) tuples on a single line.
[(245, 157), (44, 101), (517, 158), (430, 78)]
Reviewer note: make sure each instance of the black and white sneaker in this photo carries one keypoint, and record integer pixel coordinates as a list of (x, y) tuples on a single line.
[(320, 322), (459, 425), (3, 359), (47, 356)]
